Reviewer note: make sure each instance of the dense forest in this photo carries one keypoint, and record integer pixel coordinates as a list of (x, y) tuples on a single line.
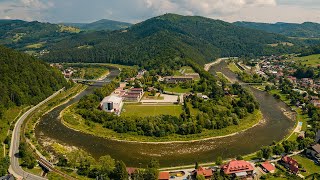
[(25, 80), (159, 41), (103, 24), (306, 30)]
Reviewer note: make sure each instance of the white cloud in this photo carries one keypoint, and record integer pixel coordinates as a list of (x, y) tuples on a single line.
[(205, 7), (139, 10), (24, 9)]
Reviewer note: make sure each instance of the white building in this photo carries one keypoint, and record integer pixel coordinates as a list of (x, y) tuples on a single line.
[(112, 104)]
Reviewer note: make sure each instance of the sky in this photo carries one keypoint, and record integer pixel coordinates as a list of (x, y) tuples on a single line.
[(133, 11)]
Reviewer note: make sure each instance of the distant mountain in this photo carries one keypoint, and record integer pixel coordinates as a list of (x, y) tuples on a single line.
[(25, 35), (103, 24), (304, 30), (162, 41)]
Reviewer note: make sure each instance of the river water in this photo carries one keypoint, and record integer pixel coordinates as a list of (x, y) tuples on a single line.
[(275, 127)]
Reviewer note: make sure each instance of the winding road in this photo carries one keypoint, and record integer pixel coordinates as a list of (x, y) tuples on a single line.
[(15, 167)]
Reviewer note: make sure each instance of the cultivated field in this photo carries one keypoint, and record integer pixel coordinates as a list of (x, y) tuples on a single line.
[(312, 60)]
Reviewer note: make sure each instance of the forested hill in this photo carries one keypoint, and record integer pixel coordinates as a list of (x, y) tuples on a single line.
[(25, 80), (103, 24), (162, 40), (34, 35), (306, 30)]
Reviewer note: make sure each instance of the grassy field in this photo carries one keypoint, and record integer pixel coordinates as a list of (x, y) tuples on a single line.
[(93, 73), (147, 95), (233, 67), (222, 77), (177, 89), (308, 165), (184, 69), (35, 46), (71, 29), (150, 110), (312, 60)]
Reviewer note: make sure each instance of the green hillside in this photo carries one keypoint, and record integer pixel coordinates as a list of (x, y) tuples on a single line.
[(162, 41), (103, 24), (34, 35), (25, 80), (306, 30)]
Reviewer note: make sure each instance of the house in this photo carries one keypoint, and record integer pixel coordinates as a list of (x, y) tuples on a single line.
[(238, 168), (314, 151), (112, 104), (267, 167), (177, 79), (290, 164), (207, 173), (164, 176)]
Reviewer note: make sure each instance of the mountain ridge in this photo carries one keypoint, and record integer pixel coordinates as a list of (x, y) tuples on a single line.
[(162, 39), (102, 24), (305, 29)]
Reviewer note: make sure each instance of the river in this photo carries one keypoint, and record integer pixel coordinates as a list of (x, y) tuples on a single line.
[(275, 127)]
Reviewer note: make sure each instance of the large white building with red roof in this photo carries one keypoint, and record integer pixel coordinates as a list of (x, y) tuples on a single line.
[(238, 168)]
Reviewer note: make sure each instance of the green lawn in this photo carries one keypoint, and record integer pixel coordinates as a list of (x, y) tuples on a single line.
[(177, 89), (184, 69), (233, 67), (222, 77), (150, 110), (312, 60), (308, 165)]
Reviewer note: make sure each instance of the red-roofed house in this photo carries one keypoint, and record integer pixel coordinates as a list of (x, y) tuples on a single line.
[(268, 167), (207, 173), (238, 168), (164, 176), (290, 164)]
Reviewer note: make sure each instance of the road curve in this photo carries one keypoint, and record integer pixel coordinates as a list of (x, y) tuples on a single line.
[(15, 167)]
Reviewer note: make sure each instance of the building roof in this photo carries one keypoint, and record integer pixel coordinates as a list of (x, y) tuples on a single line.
[(268, 166), (293, 164), (112, 98), (204, 172), (136, 89), (164, 176), (316, 148), (132, 95), (236, 166)]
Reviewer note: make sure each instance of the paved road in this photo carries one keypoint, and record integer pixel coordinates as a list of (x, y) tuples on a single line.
[(15, 167)]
